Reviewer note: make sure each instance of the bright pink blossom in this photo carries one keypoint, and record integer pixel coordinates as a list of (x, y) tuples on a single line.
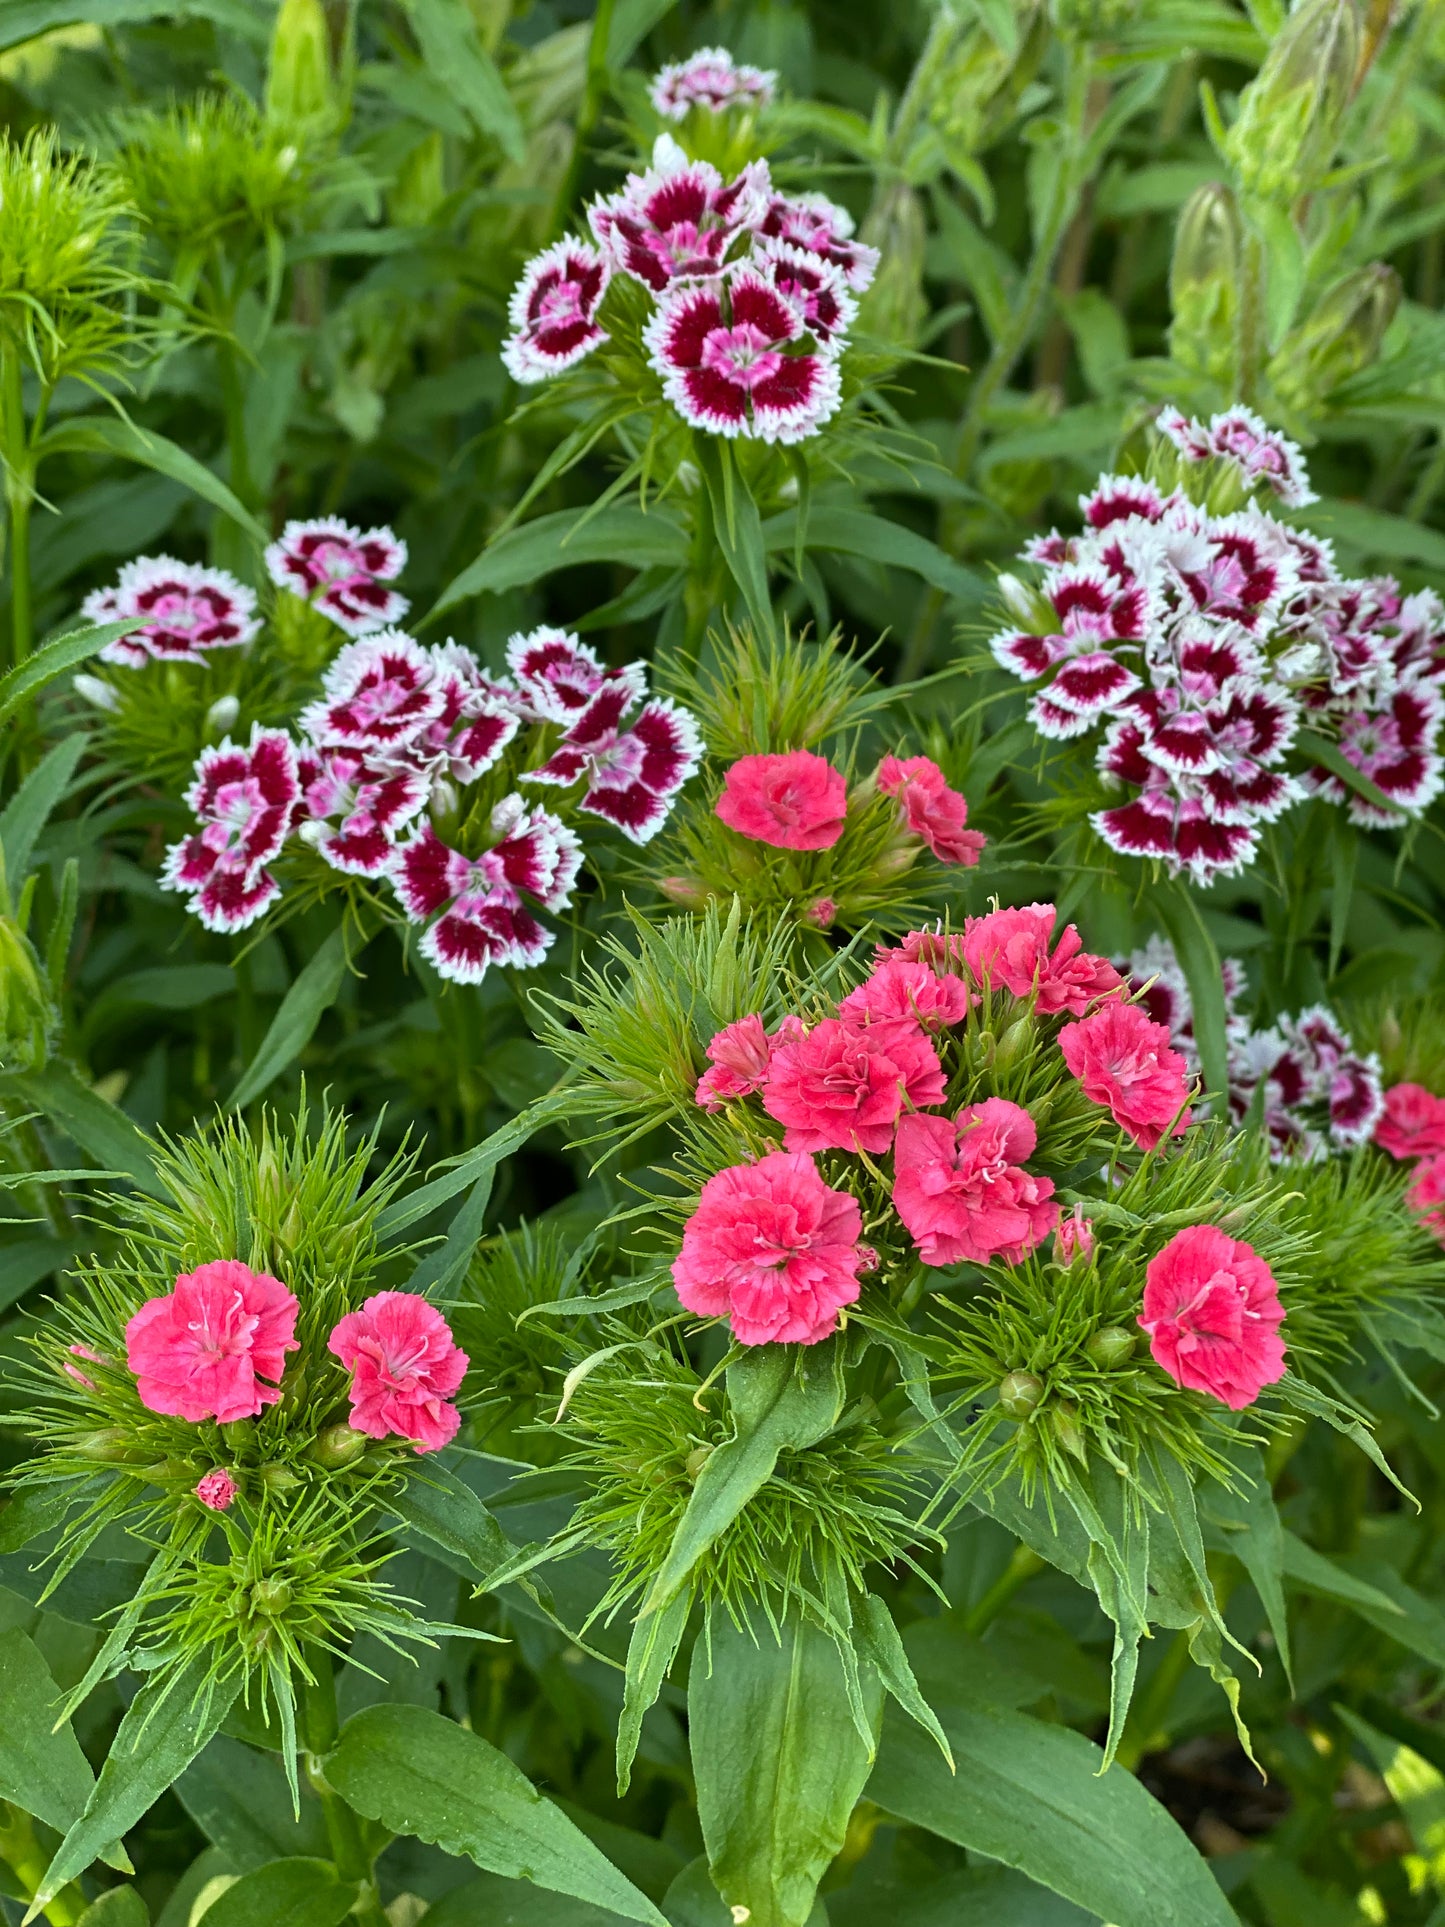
[(960, 1188), (217, 1490), (930, 809), (1212, 1312), (1009, 950), (1124, 1060), (1074, 1237), (910, 991), (772, 1249), (405, 1368), (1425, 1195), (843, 1085), (1414, 1122), (739, 1056), (796, 801), (215, 1346)]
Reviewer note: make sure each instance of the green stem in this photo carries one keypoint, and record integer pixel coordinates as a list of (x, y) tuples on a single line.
[(1249, 349), (319, 1727), (22, 1853), (19, 490), (233, 404), (1020, 1569)]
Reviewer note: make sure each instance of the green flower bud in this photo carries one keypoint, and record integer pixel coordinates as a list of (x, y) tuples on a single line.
[(895, 306), (1065, 1420), (1016, 1042), (270, 1596), (299, 91), (1110, 1347), (1204, 282), (1341, 337), (279, 1478), (420, 186), (696, 1460), (976, 89), (108, 1444), (687, 891), (1290, 114), (336, 1447), (27, 1016), (1092, 19), (1019, 1395)]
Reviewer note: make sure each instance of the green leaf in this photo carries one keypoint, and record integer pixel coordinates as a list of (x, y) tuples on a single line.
[(1285, 256), (1395, 538), (650, 1651), (239, 1799), (446, 31), (118, 1907), (440, 1505), (69, 651), (418, 1773), (465, 1171), (873, 538), (1248, 1525), (878, 1642), (161, 1734), (96, 1125), (1199, 960), (28, 810), (632, 21), (440, 1269), (22, 20), (737, 527), (114, 435), (780, 1398), (1034, 1796), (778, 1760), (622, 532), (294, 1024), (287, 1893), (42, 1771), (1416, 1786)]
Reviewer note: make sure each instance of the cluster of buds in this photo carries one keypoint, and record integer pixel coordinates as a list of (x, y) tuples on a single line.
[(1311, 1091), (739, 298), (1290, 114), (1198, 634)]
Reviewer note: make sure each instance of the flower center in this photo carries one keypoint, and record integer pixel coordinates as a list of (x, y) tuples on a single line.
[(742, 354)]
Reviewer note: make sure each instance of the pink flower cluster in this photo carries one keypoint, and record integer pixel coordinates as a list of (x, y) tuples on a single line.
[(341, 571), (775, 1250), (389, 752), (1319, 1093), (796, 800), (181, 612), (711, 80), (1199, 643), (214, 1347), (1412, 1126), (752, 292), (1212, 1313)]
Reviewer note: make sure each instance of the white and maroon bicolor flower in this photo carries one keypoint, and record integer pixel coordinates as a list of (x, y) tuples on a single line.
[(1244, 572), (819, 226), (341, 571), (244, 800), (1115, 498), (1397, 748), (813, 287), (732, 358), (180, 609), (475, 907), (632, 773), (353, 811), (1189, 436), (1238, 436), (680, 219), (710, 79), (479, 717), (1095, 611), (1170, 821), (553, 311), (558, 675), (378, 693)]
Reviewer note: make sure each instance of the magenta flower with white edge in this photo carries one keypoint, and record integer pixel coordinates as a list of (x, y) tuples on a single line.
[(732, 360), (341, 571), (244, 800), (558, 676), (378, 693), (1239, 437), (553, 311), (474, 906), (632, 774), (710, 79), (819, 226), (180, 609), (812, 286), (353, 812), (680, 219)]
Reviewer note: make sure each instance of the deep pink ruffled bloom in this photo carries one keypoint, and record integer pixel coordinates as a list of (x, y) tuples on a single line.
[(931, 810), (1009, 950), (739, 1056), (217, 1490), (1414, 1122), (216, 1346), (796, 801), (772, 1249), (1212, 1312), (960, 1188), (911, 992), (843, 1085), (405, 1368), (1425, 1195), (1074, 1237), (1124, 1060)]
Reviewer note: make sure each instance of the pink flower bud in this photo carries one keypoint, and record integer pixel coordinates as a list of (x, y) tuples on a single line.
[(821, 913), (217, 1490), (1074, 1237)]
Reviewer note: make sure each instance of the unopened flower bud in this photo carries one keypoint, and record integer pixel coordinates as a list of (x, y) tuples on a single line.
[(1391, 1036), (1067, 1431), (821, 914), (1204, 282), (696, 1460), (1016, 1042), (1110, 1347), (895, 306), (1020, 600), (217, 1490), (299, 91), (27, 1016), (1341, 337), (99, 694), (270, 1596), (1092, 19), (108, 1444), (894, 862), (1019, 1395), (1289, 115), (222, 714), (684, 890), (1074, 1238), (337, 1446), (279, 1478)]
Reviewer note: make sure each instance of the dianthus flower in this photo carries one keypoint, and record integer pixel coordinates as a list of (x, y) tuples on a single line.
[(739, 1056), (405, 1369), (843, 1085), (1124, 1060), (1413, 1124), (930, 809), (215, 1346), (960, 1188), (1425, 1195), (1212, 1312), (910, 991), (793, 801), (1009, 950)]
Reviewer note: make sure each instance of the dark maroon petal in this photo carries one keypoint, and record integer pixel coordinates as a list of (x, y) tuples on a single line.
[(639, 812)]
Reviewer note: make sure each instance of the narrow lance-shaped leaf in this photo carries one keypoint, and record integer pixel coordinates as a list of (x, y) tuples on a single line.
[(313, 992)]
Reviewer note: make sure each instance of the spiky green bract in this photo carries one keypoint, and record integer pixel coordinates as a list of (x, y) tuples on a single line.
[(513, 1353), (164, 713), (1405, 1029)]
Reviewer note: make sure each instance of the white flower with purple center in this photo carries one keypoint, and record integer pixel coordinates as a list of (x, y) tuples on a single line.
[(733, 358), (553, 311), (820, 227), (477, 721), (181, 610), (378, 693), (680, 220), (814, 288), (710, 79), (1397, 747), (341, 571), (353, 811), (244, 800)]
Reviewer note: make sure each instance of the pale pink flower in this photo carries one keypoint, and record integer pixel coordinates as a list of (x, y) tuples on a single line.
[(910, 991), (793, 801), (1425, 1195), (1009, 950), (710, 79), (1124, 1060), (740, 1055), (1212, 1312), (1413, 1125), (843, 1085), (960, 1188), (215, 1346), (405, 1369), (772, 1249), (930, 809), (217, 1490)]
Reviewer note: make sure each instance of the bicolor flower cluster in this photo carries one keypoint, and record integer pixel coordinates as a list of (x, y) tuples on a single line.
[(181, 610), (1194, 635), (344, 572), (214, 1347), (748, 293), (1412, 1129), (710, 80), (406, 771), (774, 1247), (1301, 1077)]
